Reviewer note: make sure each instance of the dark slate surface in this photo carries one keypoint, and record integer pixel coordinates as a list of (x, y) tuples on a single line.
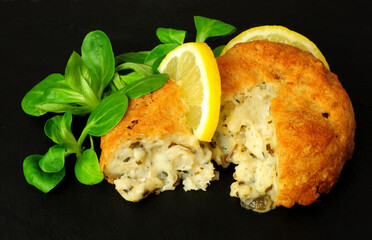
[(36, 39)]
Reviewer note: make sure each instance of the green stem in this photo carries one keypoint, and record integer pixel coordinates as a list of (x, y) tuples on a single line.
[(200, 37), (69, 152), (117, 82), (81, 139), (91, 142)]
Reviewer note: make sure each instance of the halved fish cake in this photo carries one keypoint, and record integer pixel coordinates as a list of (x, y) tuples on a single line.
[(286, 122), (152, 148)]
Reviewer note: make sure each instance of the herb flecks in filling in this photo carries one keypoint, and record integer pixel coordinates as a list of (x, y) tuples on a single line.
[(156, 165), (246, 136)]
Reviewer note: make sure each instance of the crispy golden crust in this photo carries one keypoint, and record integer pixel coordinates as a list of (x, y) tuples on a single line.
[(153, 115), (313, 114)]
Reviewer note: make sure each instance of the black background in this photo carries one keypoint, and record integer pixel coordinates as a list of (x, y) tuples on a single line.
[(37, 38)]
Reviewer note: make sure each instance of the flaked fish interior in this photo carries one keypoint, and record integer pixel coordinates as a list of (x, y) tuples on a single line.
[(246, 136)]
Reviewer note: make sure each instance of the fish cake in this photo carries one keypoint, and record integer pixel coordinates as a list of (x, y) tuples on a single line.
[(152, 149), (285, 121)]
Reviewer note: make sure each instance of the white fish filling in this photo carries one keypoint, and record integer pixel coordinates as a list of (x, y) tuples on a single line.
[(246, 136), (143, 166)]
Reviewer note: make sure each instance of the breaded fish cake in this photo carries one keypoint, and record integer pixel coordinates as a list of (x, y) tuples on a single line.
[(286, 122), (152, 148)]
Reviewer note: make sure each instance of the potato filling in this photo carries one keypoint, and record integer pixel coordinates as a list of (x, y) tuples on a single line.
[(246, 136), (147, 165)]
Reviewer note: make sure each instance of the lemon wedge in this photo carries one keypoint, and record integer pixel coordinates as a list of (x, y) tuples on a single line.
[(194, 68), (277, 34)]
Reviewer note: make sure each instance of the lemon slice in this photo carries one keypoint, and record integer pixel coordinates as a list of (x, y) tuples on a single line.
[(194, 68), (277, 34)]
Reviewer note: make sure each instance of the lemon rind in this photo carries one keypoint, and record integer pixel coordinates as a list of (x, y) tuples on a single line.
[(267, 30)]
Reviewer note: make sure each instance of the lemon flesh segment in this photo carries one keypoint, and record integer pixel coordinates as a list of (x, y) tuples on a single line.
[(277, 34), (194, 68)]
